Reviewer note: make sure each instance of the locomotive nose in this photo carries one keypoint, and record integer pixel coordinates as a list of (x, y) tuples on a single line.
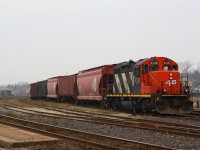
[(166, 82), (171, 99)]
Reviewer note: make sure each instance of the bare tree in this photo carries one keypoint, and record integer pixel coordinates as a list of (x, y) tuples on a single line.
[(185, 67)]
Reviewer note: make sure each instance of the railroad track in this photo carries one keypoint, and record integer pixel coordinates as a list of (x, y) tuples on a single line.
[(169, 128), (196, 112), (93, 140), (191, 117), (13, 97), (194, 116)]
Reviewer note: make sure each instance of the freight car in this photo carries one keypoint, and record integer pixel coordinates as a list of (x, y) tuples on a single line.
[(62, 88), (38, 90), (151, 84), (42, 89), (33, 91), (92, 84)]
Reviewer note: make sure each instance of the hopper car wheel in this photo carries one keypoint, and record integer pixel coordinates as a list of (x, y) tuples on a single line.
[(77, 102)]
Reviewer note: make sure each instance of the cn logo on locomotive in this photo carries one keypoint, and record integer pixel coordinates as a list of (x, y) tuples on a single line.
[(170, 82)]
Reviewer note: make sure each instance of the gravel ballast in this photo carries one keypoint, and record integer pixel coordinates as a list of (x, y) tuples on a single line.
[(147, 136)]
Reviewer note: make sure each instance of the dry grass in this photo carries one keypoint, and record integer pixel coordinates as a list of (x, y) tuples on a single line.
[(42, 103), (1, 103), (37, 103), (22, 102)]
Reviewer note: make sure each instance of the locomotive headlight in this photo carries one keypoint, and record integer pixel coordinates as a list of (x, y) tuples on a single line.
[(186, 90), (170, 76), (164, 90)]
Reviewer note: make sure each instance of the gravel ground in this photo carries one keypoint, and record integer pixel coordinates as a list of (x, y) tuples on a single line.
[(58, 146), (178, 120), (177, 142)]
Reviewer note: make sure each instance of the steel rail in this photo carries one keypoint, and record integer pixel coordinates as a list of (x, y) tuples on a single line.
[(169, 128), (104, 142), (189, 117), (12, 97)]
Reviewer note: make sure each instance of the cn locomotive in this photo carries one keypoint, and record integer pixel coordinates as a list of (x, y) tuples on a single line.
[(151, 84)]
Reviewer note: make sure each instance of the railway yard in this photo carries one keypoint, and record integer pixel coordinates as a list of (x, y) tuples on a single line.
[(27, 124), (100, 75)]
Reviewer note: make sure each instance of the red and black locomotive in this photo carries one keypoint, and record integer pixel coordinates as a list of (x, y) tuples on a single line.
[(152, 84)]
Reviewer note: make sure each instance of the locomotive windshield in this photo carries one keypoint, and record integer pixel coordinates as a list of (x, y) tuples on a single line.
[(166, 67), (154, 65), (154, 68), (175, 67)]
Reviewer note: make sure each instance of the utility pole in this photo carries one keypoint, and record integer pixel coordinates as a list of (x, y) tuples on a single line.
[(198, 98)]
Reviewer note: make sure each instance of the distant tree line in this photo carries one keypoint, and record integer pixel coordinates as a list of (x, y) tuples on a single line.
[(195, 78), (19, 89)]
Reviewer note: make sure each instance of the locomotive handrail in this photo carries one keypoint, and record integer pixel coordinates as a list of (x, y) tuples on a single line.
[(154, 80)]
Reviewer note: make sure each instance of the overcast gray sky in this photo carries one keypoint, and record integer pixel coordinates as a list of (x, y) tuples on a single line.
[(44, 38)]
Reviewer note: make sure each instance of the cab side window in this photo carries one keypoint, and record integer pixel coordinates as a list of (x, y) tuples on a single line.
[(145, 68)]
